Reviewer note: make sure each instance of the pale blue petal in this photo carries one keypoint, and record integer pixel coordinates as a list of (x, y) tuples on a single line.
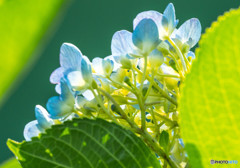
[(58, 88), (56, 75), (122, 43), (169, 13), (115, 63), (168, 70), (86, 70), (145, 36), (156, 58), (189, 31), (97, 64), (75, 81), (107, 65), (80, 102), (88, 95), (58, 108), (43, 118), (165, 23), (154, 15), (66, 94), (191, 54), (31, 130), (70, 56)]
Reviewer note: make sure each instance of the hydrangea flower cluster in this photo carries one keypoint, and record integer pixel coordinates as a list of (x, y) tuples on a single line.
[(136, 87)]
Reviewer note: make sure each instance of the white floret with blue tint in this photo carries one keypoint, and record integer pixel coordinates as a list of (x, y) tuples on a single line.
[(61, 106), (145, 36), (189, 32), (43, 122), (103, 67), (166, 22)]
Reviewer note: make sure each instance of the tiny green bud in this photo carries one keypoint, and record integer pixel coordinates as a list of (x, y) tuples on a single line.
[(94, 84), (114, 109), (178, 42), (127, 80), (144, 91), (164, 140), (185, 48), (163, 47), (126, 63), (173, 65)]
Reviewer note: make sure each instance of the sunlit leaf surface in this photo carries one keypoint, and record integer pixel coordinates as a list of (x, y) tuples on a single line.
[(209, 106), (85, 143)]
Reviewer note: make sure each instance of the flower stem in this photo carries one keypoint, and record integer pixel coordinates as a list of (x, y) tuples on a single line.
[(144, 72), (164, 94), (102, 105), (179, 54), (150, 141)]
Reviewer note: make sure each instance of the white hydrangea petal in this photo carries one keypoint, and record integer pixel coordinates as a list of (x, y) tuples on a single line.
[(168, 70), (97, 64), (75, 80), (116, 64), (169, 13), (43, 117), (58, 88), (88, 95), (86, 70), (154, 15), (70, 56), (56, 75), (191, 54), (122, 43), (31, 130), (58, 108), (145, 36), (189, 31), (107, 66)]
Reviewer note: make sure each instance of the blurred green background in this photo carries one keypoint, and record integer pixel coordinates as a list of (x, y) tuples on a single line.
[(90, 26)]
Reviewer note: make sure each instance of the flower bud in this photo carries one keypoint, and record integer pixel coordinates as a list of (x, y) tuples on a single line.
[(126, 63), (164, 48)]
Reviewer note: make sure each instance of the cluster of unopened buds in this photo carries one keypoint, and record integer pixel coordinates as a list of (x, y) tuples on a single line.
[(136, 87)]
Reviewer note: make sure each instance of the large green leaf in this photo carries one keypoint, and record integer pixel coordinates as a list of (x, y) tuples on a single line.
[(85, 143), (23, 23), (11, 163), (209, 105)]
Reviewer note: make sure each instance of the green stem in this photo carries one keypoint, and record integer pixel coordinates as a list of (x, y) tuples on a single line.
[(150, 141), (122, 85), (150, 86), (164, 94), (179, 53), (134, 77), (154, 145), (144, 72), (153, 103), (102, 106), (154, 120), (173, 123), (166, 75), (142, 108), (123, 114)]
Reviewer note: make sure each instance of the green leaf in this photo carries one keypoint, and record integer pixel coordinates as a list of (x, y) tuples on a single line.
[(23, 24), (85, 143), (164, 139), (209, 106), (11, 163)]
